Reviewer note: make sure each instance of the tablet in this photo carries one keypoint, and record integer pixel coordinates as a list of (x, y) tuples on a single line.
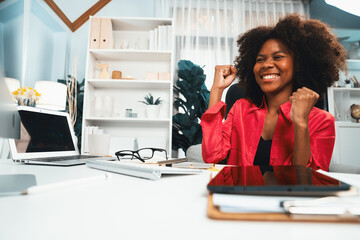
[(277, 180)]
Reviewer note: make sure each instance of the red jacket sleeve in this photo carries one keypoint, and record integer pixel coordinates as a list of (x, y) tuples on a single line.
[(322, 140), (216, 133)]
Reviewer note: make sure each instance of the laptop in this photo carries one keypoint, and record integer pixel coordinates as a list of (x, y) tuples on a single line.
[(47, 138)]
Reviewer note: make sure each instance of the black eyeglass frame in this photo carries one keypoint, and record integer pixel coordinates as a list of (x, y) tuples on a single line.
[(135, 153)]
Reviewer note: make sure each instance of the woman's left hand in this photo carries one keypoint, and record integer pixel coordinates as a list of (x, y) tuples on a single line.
[(302, 101)]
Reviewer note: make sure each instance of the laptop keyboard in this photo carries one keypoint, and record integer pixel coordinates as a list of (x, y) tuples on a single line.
[(63, 158)]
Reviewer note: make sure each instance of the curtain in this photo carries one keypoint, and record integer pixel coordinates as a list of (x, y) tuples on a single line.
[(206, 30)]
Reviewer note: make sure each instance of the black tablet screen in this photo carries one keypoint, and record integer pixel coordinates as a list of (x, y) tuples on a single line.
[(280, 180)]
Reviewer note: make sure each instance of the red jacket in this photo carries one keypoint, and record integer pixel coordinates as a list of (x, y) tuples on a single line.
[(241, 131)]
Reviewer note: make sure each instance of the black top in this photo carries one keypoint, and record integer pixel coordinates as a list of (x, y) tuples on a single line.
[(262, 156)]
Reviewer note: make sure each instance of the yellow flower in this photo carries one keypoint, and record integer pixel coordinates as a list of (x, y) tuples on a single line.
[(37, 94)]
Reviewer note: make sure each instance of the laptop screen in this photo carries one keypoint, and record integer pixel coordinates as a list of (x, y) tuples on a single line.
[(43, 132)]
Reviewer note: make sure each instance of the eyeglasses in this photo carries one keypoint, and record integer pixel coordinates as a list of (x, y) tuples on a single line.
[(142, 154)]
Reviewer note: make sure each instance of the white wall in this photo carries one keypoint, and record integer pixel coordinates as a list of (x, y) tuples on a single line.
[(1, 46), (50, 45), (46, 52), (11, 19), (12, 32), (46, 46), (40, 52), (43, 36), (61, 50), (79, 39)]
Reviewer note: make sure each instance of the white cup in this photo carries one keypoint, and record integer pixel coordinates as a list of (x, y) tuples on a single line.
[(99, 144), (117, 108), (107, 107), (124, 44), (98, 106)]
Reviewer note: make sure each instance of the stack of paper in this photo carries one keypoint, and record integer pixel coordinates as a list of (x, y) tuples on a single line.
[(251, 204), (325, 206), (229, 203)]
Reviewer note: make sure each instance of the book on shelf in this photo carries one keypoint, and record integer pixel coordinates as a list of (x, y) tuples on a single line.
[(165, 38), (169, 37), (152, 40), (95, 33), (160, 38), (106, 34), (156, 35)]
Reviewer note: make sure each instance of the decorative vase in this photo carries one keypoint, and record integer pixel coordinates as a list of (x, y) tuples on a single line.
[(27, 102), (355, 112), (152, 111)]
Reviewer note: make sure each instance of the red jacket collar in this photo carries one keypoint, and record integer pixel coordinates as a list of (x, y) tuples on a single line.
[(285, 108)]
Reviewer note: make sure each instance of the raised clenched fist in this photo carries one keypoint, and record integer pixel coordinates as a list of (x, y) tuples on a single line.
[(302, 101), (224, 76)]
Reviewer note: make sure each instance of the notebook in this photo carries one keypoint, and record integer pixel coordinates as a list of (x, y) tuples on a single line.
[(47, 138)]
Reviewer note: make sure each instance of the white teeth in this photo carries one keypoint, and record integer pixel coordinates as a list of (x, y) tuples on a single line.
[(269, 76)]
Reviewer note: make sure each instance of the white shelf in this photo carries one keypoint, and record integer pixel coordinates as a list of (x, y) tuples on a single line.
[(128, 120), (353, 60), (347, 132), (138, 24), (130, 55), (353, 91), (118, 95), (122, 83), (353, 64), (347, 124), (346, 89)]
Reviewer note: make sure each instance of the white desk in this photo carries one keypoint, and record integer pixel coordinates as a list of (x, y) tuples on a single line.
[(131, 208)]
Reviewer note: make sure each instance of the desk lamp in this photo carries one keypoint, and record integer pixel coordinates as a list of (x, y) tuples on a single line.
[(10, 128)]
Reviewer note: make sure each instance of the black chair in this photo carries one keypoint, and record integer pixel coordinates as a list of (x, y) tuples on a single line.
[(234, 93), (322, 103)]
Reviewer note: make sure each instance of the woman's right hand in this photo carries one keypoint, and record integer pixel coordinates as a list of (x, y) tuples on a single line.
[(224, 76)]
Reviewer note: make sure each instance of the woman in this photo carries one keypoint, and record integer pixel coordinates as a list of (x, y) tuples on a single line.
[(284, 70)]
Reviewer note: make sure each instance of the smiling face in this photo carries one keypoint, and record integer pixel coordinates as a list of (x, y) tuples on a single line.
[(273, 69)]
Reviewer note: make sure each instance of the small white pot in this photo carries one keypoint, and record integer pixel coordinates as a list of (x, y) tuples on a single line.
[(348, 85), (152, 111)]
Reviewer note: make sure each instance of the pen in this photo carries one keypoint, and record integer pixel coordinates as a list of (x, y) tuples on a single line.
[(64, 184)]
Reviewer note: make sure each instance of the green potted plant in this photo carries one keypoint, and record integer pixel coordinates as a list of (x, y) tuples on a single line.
[(193, 99), (152, 106)]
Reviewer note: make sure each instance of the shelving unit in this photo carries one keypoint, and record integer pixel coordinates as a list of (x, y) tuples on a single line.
[(145, 55), (130, 120), (134, 61), (347, 129), (113, 83)]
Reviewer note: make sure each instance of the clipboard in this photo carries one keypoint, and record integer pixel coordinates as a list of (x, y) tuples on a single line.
[(213, 212)]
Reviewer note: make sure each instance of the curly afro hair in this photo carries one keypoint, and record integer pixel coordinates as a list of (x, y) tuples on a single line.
[(318, 55)]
